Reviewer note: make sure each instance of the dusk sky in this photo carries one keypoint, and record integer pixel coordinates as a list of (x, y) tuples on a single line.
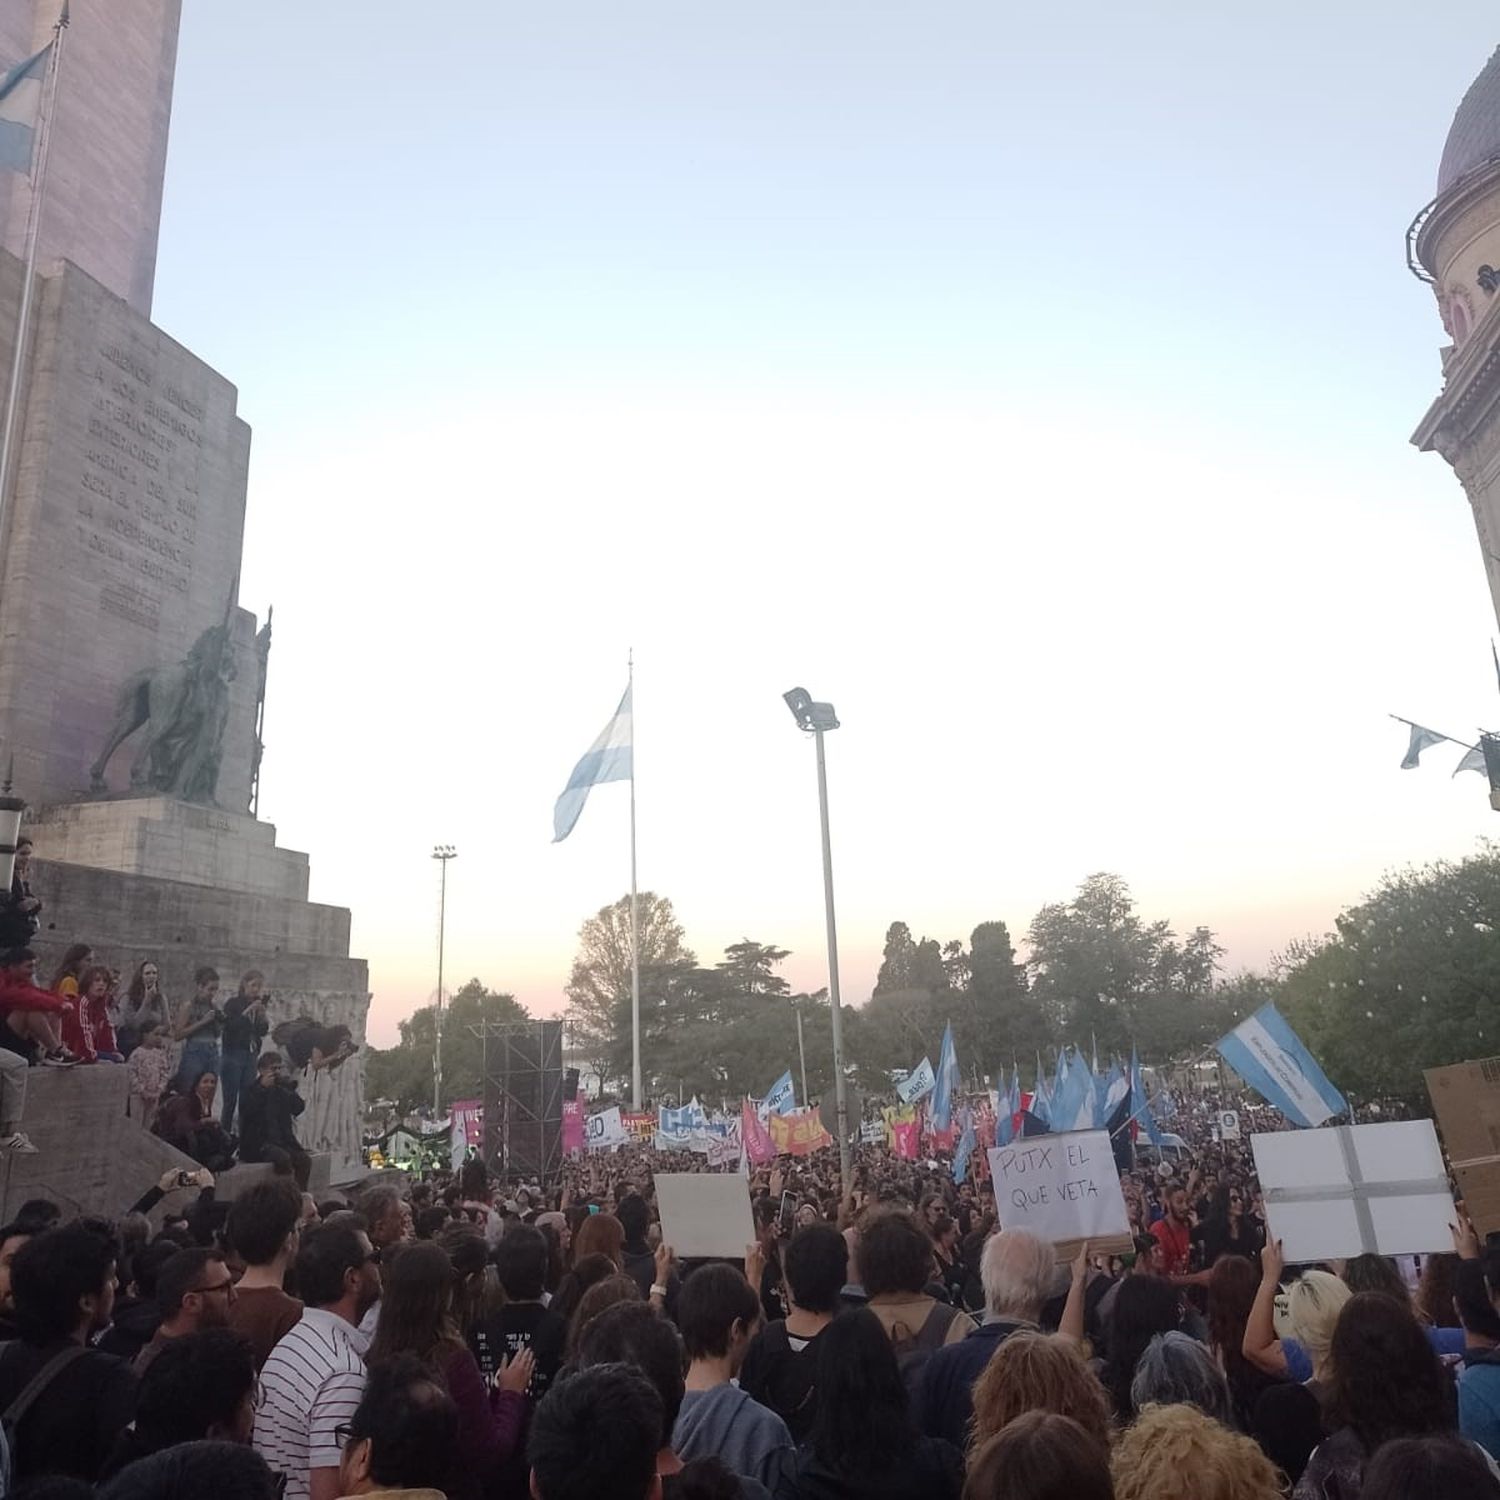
[(1035, 386)]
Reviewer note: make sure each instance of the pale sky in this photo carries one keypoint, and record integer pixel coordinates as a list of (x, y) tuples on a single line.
[(1034, 383)]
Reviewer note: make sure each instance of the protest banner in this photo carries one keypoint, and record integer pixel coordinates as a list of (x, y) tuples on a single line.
[(799, 1133), (724, 1146), (705, 1214), (1064, 1188), (781, 1098), (1466, 1099), (873, 1132), (918, 1083), (1348, 1190), (466, 1123), (606, 1130), (1229, 1125), (572, 1127), (753, 1135)]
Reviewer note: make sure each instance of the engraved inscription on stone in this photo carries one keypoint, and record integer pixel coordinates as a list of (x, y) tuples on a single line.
[(137, 503)]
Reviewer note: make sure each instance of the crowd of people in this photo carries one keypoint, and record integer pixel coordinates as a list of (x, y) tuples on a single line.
[(457, 1336), (200, 1073)]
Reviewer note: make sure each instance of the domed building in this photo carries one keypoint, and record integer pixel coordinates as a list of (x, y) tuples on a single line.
[(1454, 246)]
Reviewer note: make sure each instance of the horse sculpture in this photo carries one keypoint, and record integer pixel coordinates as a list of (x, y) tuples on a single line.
[(184, 710)]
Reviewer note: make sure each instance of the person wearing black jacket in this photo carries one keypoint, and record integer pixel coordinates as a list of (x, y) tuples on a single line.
[(245, 1028), (267, 1109)]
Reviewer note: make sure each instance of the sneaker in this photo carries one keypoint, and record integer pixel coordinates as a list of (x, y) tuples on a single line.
[(20, 1143), (62, 1058)]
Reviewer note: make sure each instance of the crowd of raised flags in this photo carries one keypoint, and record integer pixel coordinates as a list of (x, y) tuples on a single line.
[(934, 1117)]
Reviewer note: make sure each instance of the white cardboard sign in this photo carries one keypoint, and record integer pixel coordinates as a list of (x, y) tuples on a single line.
[(1062, 1187), (1351, 1189), (705, 1214)]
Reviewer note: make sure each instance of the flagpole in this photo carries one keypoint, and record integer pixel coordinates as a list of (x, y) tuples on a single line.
[(635, 929), (33, 236)]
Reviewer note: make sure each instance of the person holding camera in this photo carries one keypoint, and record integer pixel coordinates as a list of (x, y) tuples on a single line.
[(267, 1109), (199, 1022)]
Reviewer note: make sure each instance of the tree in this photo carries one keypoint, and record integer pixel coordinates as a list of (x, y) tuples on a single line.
[(1098, 971), (998, 1022), (599, 1002), (1409, 979), (896, 972), (404, 1073)]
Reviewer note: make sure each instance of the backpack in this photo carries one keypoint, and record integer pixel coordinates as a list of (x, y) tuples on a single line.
[(10, 1419), (914, 1350)]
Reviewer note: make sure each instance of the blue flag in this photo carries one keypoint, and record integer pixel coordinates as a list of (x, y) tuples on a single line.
[(966, 1144), (946, 1087), (20, 108), (1140, 1107), (1041, 1105), (1270, 1057), (1010, 1107), (609, 758)]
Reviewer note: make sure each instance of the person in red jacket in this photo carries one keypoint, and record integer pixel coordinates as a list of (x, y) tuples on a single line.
[(88, 1032), (30, 1017)]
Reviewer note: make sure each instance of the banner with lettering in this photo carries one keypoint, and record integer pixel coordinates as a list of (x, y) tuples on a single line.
[(724, 1145), (917, 1084), (606, 1130), (572, 1127), (642, 1126), (799, 1133)]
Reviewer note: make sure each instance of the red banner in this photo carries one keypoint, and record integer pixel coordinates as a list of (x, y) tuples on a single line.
[(799, 1133), (753, 1135)]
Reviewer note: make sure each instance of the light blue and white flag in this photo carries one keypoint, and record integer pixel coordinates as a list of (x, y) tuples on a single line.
[(609, 758), (967, 1144), (677, 1128), (1270, 1057), (945, 1089), (20, 109), (1041, 1097), (1008, 1108), (1140, 1107), (1473, 761), (1073, 1094), (781, 1098), (917, 1084)]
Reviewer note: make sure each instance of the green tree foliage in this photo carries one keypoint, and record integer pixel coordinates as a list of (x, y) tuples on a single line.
[(896, 965), (1099, 971), (598, 1015), (403, 1073), (1409, 980)]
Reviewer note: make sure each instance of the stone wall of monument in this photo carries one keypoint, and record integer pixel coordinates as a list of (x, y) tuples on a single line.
[(301, 947), (123, 542), (109, 142)]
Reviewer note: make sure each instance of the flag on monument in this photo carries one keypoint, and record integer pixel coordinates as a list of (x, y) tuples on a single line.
[(1270, 1057), (609, 758), (946, 1086), (20, 109), (1421, 739), (917, 1084), (1473, 761)]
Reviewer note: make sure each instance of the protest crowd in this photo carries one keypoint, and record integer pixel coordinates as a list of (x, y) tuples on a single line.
[(451, 1333)]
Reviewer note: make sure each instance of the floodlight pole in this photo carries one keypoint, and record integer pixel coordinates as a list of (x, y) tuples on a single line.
[(846, 1176)]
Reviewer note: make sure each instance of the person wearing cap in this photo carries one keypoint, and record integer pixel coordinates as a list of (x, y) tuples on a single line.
[(267, 1109)]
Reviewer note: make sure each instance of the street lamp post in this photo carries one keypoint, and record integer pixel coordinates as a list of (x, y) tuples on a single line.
[(817, 719), (442, 853), (801, 1053)]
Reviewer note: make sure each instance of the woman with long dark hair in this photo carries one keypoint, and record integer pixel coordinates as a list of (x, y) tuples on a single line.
[(1231, 1228), (186, 1120), (864, 1444), (1384, 1382), (1232, 1285), (1144, 1307), (144, 1003), (416, 1318)]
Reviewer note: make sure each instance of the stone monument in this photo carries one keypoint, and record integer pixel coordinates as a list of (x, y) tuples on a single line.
[(130, 678)]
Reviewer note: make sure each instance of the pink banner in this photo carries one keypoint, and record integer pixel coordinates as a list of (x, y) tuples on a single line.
[(907, 1140), (572, 1126), (757, 1144)]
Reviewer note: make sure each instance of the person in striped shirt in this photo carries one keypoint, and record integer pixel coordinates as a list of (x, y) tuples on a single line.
[(313, 1381)]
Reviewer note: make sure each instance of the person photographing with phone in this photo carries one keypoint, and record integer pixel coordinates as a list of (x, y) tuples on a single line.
[(267, 1109)]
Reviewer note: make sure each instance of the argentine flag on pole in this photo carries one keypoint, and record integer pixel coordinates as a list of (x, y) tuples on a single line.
[(1270, 1057), (20, 108), (947, 1083), (609, 758)]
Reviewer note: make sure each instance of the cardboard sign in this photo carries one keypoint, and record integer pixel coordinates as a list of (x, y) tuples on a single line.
[(1229, 1125), (1353, 1189), (705, 1214), (1466, 1100), (1065, 1188)]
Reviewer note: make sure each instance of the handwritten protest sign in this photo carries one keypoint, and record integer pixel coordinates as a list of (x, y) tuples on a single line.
[(1063, 1187), (704, 1213)]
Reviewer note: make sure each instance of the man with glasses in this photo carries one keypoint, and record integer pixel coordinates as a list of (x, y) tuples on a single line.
[(313, 1381), (194, 1290)]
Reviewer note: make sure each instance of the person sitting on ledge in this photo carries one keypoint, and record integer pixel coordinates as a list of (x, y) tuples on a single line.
[(267, 1109), (87, 1031), (187, 1122), (30, 1017)]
